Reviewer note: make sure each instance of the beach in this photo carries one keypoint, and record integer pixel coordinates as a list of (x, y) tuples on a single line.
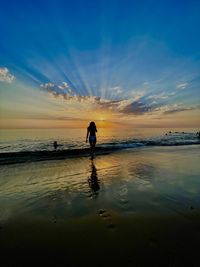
[(100, 133), (131, 207)]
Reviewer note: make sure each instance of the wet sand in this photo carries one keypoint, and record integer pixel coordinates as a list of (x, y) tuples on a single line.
[(132, 241), (130, 208)]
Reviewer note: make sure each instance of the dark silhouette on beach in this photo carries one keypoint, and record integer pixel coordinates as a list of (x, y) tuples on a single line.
[(55, 144), (91, 133), (93, 180)]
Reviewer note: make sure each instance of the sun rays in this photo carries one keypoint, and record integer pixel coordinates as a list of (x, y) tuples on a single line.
[(95, 65)]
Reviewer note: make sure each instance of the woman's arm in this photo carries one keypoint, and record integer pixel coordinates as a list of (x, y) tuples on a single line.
[(87, 135)]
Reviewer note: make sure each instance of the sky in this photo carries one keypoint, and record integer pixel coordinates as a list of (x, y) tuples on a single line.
[(116, 62)]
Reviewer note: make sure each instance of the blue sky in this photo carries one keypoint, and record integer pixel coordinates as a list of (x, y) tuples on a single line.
[(127, 57)]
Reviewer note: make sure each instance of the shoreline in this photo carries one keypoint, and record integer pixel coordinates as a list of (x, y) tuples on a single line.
[(7, 158)]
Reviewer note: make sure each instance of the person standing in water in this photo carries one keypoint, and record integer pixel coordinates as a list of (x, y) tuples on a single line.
[(91, 132)]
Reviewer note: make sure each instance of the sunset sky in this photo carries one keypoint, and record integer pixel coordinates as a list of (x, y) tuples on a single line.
[(117, 62)]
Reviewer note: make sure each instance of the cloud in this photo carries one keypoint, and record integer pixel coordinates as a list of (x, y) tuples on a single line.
[(132, 105), (136, 108), (50, 88), (47, 86), (55, 90), (172, 93), (136, 105), (125, 106), (116, 90), (182, 85), (179, 109), (63, 86), (160, 96), (5, 75), (171, 109)]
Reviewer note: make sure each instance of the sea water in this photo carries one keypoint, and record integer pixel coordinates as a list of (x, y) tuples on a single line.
[(128, 207), (15, 140)]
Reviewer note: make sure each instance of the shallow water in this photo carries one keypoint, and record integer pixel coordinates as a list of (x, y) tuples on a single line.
[(42, 139), (133, 181), (133, 202)]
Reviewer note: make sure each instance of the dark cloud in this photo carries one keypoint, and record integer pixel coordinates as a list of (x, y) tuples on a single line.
[(136, 108), (180, 109), (123, 106)]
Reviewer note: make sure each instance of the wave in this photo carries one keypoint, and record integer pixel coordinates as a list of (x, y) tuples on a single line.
[(104, 148), (133, 144)]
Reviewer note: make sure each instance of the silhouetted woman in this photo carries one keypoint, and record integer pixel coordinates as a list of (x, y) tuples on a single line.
[(91, 132)]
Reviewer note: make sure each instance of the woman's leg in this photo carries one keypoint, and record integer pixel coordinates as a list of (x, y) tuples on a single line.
[(94, 143), (90, 143)]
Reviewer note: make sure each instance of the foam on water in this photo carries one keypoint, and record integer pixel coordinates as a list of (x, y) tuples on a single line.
[(77, 142), (37, 146)]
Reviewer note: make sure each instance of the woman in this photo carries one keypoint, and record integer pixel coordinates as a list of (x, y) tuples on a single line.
[(91, 132)]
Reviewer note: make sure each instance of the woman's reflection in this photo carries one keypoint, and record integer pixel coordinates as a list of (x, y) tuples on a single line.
[(93, 180)]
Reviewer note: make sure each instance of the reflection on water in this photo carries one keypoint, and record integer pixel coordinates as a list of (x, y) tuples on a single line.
[(93, 180), (158, 180), (111, 210)]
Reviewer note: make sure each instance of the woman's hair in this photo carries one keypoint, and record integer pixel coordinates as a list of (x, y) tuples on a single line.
[(92, 125)]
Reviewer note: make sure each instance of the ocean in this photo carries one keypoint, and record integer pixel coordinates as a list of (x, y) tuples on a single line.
[(70, 139), (135, 203)]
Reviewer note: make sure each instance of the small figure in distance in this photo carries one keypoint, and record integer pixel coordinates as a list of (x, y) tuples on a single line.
[(198, 134), (91, 132), (55, 145)]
